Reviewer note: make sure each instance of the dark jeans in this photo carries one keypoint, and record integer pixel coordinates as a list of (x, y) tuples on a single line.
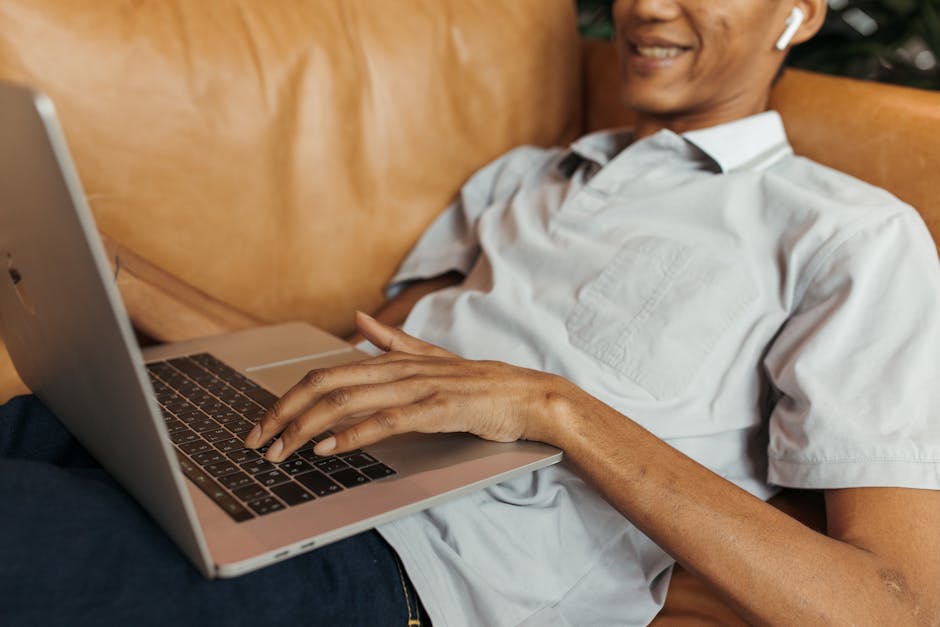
[(76, 549)]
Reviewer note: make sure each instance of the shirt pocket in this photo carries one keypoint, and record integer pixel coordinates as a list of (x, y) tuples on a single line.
[(657, 309)]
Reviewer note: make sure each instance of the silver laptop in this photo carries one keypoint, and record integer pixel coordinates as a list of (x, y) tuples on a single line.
[(168, 422)]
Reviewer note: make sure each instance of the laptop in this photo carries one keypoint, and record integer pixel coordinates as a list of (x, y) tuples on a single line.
[(168, 421)]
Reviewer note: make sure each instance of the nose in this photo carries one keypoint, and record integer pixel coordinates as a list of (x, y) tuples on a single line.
[(646, 10)]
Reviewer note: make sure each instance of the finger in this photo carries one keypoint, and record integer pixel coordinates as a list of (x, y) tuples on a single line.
[(342, 403), (319, 382), (397, 356), (424, 416), (391, 339)]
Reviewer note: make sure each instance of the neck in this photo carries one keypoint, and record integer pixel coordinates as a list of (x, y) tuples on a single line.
[(648, 123)]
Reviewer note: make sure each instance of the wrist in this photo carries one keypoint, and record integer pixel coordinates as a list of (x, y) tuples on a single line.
[(558, 413)]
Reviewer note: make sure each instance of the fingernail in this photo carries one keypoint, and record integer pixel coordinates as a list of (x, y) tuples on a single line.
[(275, 450), (362, 313), (324, 447), (251, 440)]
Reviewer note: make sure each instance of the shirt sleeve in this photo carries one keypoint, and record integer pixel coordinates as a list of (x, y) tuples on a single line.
[(856, 367), (451, 242)]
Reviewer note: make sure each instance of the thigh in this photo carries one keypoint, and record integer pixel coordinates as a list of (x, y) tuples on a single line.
[(77, 550)]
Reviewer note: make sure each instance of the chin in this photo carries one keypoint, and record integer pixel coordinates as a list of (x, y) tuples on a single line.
[(659, 103)]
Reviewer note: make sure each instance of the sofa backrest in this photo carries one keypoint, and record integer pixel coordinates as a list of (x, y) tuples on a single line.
[(283, 156), (886, 135)]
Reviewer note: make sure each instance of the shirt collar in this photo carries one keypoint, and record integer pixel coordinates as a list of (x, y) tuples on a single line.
[(752, 143), (599, 147)]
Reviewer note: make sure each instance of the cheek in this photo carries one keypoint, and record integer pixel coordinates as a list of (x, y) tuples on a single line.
[(728, 43)]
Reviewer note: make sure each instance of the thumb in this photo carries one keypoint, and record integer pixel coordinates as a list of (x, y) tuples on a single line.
[(392, 339)]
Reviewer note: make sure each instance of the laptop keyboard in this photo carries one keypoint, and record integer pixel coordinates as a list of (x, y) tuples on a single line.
[(209, 408)]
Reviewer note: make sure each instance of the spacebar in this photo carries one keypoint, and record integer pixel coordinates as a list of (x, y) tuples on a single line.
[(213, 490)]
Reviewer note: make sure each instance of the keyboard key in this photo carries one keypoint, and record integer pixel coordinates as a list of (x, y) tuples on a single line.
[(308, 454), (377, 471), (217, 435), (176, 404), (257, 466), (222, 468), (205, 360), (250, 492), (210, 456), (230, 394), (246, 407), (261, 396), (160, 369), (271, 478), (243, 455), (236, 480), (217, 387), (294, 466), (195, 447), (187, 367), (292, 494), (227, 446), (266, 505), (318, 483), (213, 490), (189, 415), (183, 436), (330, 465), (185, 387), (350, 477), (253, 413), (172, 426), (214, 365), (229, 416), (358, 460), (203, 424), (240, 429)]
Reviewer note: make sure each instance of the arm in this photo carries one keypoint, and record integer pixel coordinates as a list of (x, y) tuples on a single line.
[(166, 309), (877, 566)]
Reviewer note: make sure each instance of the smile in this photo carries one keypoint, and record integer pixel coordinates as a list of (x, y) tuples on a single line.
[(658, 52)]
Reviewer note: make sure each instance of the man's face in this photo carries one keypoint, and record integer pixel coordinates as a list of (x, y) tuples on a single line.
[(700, 59)]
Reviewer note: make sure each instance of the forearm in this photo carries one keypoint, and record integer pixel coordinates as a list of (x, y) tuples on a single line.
[(769, 566), (165, 308)]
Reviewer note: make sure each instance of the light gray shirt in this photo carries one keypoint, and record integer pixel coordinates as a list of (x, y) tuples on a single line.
[(774, 319)]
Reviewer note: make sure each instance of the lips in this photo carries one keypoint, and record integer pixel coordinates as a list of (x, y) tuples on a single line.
[(655, 48), (659, 52)]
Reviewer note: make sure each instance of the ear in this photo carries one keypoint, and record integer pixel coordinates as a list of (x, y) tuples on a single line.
[(814, 14)]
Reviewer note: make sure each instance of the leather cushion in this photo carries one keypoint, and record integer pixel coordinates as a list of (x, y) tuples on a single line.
[(284, 156)]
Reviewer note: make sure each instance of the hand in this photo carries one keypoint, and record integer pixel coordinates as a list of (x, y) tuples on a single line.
[(414, 386)]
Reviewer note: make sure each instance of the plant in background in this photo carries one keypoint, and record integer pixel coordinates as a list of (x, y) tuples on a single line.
[(893, 41), (594, 19)]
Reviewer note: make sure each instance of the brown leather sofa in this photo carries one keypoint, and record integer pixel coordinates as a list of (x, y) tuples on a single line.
[(267, 160)]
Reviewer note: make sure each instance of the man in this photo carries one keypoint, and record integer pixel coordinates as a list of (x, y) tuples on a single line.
[(664, 303)]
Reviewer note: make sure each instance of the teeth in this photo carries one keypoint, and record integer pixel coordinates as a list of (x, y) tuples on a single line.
[(659, 52)]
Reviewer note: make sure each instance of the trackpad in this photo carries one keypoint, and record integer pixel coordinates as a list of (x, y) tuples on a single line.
[(279, 377)]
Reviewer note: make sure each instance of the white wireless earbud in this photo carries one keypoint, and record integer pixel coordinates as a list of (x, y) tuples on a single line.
[(793, 23)]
